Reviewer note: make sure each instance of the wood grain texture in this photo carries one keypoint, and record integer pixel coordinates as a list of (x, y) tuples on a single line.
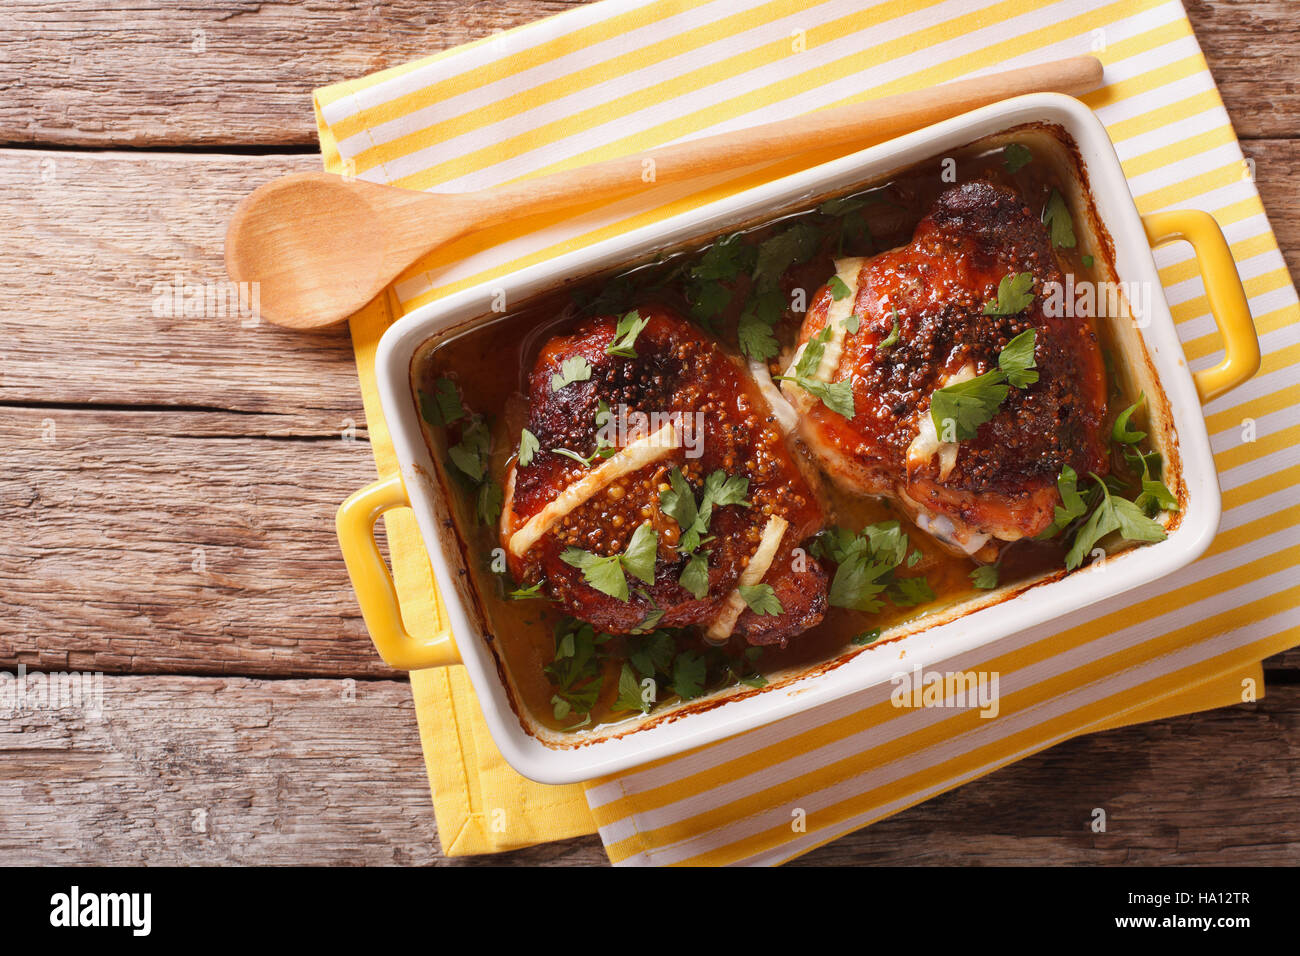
[(144, 542), (171, 434), (93, 243), (183, 770), (92, 236), (176, 72), (83, 72)]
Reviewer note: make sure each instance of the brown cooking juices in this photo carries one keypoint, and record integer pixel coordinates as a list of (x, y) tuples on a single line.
[(749, 292)]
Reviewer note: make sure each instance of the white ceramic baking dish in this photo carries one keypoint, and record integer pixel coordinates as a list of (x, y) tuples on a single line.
[(550, 757)]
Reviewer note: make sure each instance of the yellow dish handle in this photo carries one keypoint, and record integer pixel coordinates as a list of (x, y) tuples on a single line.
[(1224, 290), (374, 584)]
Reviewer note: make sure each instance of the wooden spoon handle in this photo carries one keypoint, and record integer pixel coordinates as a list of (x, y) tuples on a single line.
[(858, 124)]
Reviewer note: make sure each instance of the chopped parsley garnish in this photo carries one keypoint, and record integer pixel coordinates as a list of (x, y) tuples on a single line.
[(1121, 432), (1014, 295), (1060, 225), (837, 396), (867, 637), (527, 594), (442, 406), (470, 454), (606, 573), (778, 253), (985, 577), (971, 403), (1113, 513), (575, 670), (573, 369), (630, 694), (1087, 261), (1016, 156), (890, 340), (866, 563), (761, 598), (754, 328), (1072, 504), (528, 446), (695, 576), (603, 450), (678, 502), (909, 592), (689, 671), (629, 327), (490, 499), (839, 288), (853, 323)]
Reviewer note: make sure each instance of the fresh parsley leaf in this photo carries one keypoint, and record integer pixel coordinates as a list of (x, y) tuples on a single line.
[(853, 323), (1113, 513), (689, 670), (725, 259), (528, 446), (1056, 216), (1121, 432), (708, 300), (837, 396), (1014, 295), (791, 247), (678, 502), (867, 637), (909, 592), (629, 327), (652, 653), (890, 340), (1072, 504), (490, 499), (1017, 359), (639, 558), (605, 574), (442, 406), (968, 404), (1087, 262), (695, 576), (1015, 157), (470, 454), (603, 450), (630, 696), (985, 577), (839, 288), (761, 598), (721, 489), (527, 594), (756, 338), (573, 369)]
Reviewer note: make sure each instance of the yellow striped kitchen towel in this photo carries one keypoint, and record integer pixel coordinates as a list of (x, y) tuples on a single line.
[(620, 76)]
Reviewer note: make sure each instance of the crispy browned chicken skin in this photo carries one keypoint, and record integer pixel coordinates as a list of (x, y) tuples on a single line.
[(676, 369), (1001, 486)]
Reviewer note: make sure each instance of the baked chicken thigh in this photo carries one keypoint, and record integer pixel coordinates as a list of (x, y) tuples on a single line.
[(653, 489), (904, 325)]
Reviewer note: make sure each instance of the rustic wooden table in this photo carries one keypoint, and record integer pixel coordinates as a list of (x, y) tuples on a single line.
[(170, 483)]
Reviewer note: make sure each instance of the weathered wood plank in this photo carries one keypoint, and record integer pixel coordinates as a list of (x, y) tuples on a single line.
[(173, 542), (168, 73), (172, 72), (209, 770), (90, 237), (93, 242)]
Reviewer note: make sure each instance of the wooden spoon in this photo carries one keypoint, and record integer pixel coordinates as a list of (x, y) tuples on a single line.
[(322, 246)]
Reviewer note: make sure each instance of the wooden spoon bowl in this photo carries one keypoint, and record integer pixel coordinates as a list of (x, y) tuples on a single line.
[(321, 246)]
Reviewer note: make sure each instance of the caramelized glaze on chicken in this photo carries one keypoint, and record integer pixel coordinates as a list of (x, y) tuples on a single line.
[(554, 502), (1001, 485)]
